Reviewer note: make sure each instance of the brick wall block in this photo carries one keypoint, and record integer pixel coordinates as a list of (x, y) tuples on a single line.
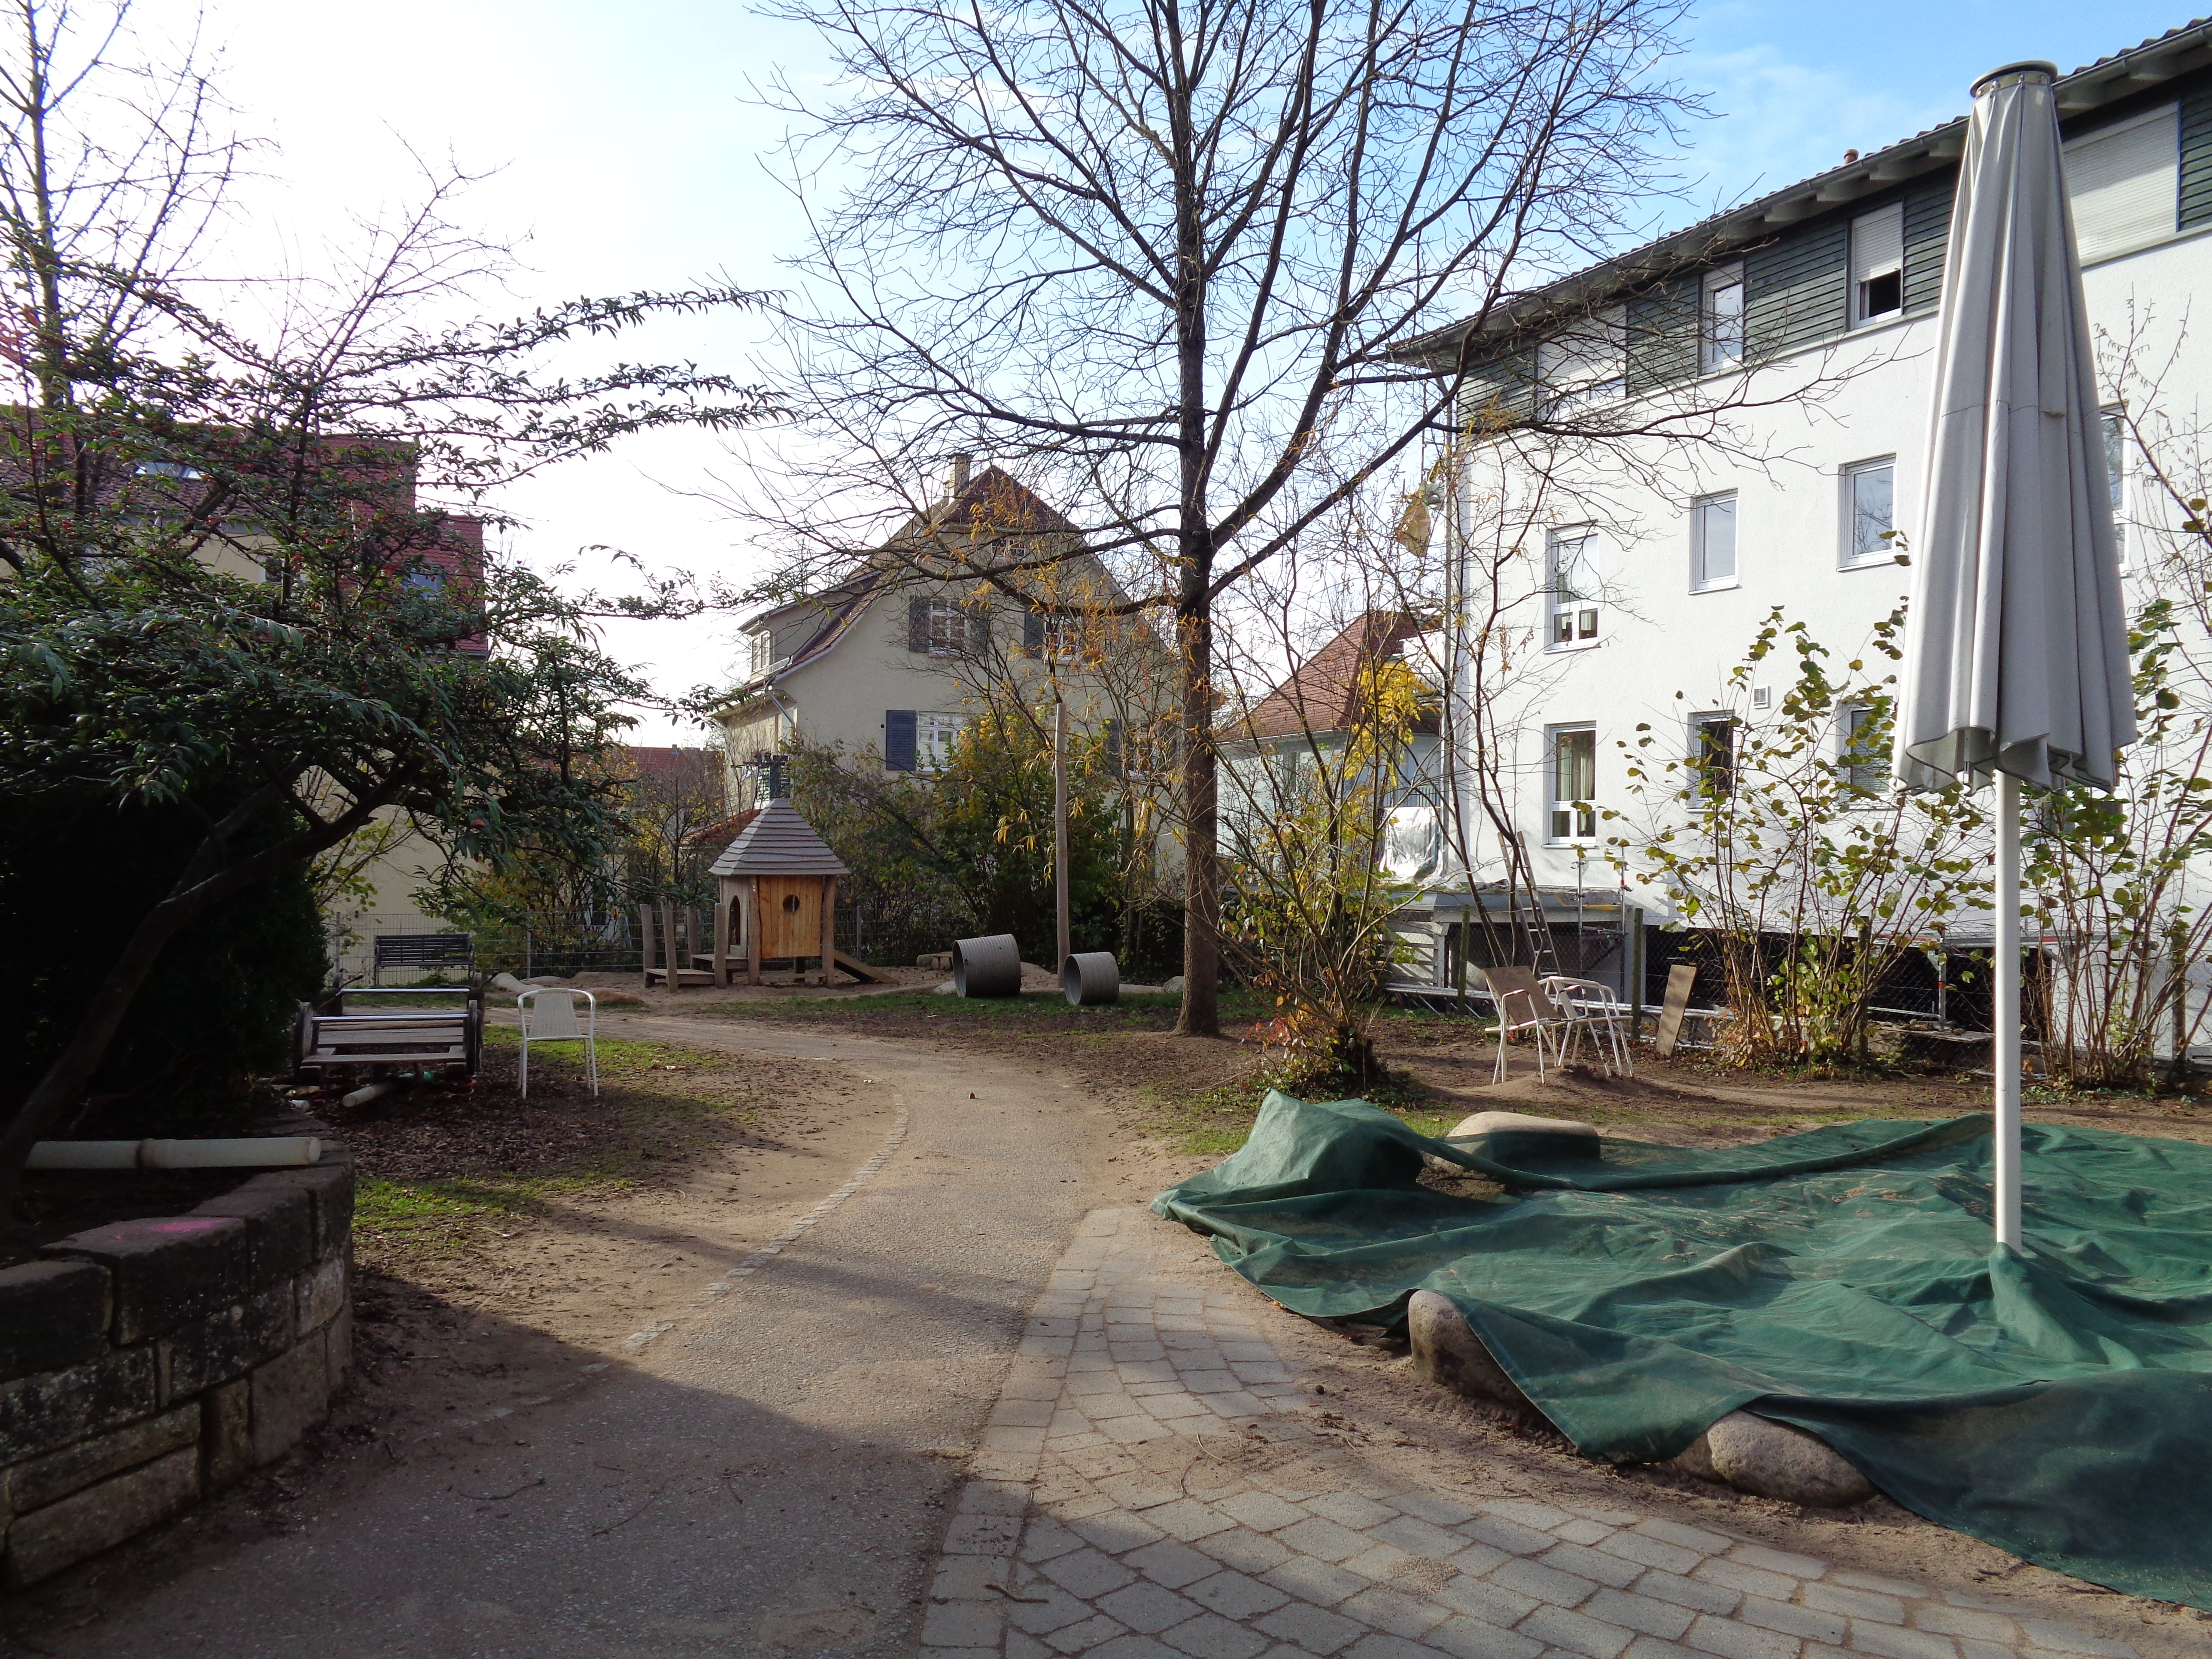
[(330, 1186), (227, 1433), (229, 1343), (321, 1293), (43, 1541), (290, 1394), (48, 1479), (338, 1348), (43, 1413), (53, 1315), (280, 1229), (166, 1270)]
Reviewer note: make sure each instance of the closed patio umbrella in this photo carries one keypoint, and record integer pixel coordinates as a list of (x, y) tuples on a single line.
[(2016, 663)]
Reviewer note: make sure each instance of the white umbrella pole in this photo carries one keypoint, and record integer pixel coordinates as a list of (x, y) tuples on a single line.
[(2005, 1050)]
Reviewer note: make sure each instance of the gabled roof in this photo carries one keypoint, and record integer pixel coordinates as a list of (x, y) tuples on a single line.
[(778, 842), (2122, 76), (1322, 694), (992, 504)]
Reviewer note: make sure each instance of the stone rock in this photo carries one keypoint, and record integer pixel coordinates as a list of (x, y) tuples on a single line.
[(948, 989), (330, 1184), (53, 1409), (280, 1229), (230, 1343), (1767, 1459), (166, 1269), (290, 1394), (506, 982), (322, 1293), (1172, 986), (1491, 1123), (44, 1540), (53, 1315), (550, 980), (227, 1433), (1448, 1353), (48, 1479)]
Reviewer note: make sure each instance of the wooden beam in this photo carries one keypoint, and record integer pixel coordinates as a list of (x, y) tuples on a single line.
[(752, 930), (828, 930)]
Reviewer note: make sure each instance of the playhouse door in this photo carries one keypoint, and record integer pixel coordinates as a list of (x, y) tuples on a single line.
[(791, 917)]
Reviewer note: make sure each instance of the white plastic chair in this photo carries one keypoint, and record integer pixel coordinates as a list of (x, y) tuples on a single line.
[(555, 1021), (1522, 1006), (1589, 1008)]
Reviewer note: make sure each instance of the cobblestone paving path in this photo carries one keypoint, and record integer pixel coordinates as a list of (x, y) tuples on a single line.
[(1154, 1484)]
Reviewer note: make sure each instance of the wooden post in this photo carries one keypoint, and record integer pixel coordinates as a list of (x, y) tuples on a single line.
[(752, 930), (668, 947), (1059, 829), (721, 932), (644, 944), (829, 929)]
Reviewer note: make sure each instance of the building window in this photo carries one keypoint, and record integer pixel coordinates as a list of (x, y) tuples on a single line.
[(1574, 783), (2116, 479), (1585, 364), (1869, 512), (1713, 541), (1878, 265), (1862, 748), (1721, 318), (948, 627), (1571, 587), (1712, 753), (760, 648), (2124, 184), (932, 739)]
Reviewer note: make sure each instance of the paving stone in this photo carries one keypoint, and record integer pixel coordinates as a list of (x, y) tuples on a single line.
[(1147, 1607), (1688, 1592), (1484, 1599), (1209, 1635), (1116, 1531), (1417, 1537), (1169, 1407), (1650, 1647), (1858, 1603), (1792, 1619), (1087, 1573), (1508, 1535), (1236, 1595), (1639, 1612), (1773, 1560), (1583, 1530), (1172, 1563), (1347, 1509), (1964, 1621), (1577, 1633), (1875, 1581), (1478, 1559), (1379, 1561), (1246, 1550), (1690, 1538), (1019, 1646), (1187, 1520), (1380, 1646), (2065, 1638), (1133, 1647), (1262, 1510), (1650, 1551), (962, 1578), (1588, 1563), (1323, 1539), (1432, 1507), (1311, 1628), (1754, 1581), (962, 1625), (1470, 1638), (983, 1534), (1564, 1589), (1056, 1611), (1134, 1492), (1733, 1641), (1527, 1514), (1969, 1648), (1394, 1610), (1309, 1580), (1892, 1642)]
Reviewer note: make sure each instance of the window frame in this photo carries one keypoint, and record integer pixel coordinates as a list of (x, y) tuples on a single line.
[(1866, 792), (1581, 830), (1607, 350), (1847, 509), (1860, 317), (955, 613), (2117, 473), (1700, 510), (1587, 630), (1701, 757), (1712, 358), (934, 732)]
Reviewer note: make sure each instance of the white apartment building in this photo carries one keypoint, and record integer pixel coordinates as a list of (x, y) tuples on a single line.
[(1765, 373)]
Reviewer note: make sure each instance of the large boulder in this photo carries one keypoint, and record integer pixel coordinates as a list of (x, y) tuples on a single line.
[(1448, 1353), (1491, 1123), (1767, 1459)]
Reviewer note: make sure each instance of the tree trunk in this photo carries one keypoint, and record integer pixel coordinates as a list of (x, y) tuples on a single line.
[(1201, 801)]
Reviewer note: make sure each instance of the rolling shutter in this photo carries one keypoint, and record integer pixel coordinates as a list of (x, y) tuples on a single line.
[(917, 625), (2124, 183), (898, 739), (1797, 290)]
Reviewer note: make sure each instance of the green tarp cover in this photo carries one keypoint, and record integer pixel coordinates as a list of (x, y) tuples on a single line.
[(2057, 1403)]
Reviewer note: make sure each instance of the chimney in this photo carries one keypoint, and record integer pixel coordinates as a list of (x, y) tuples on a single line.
[(959, 479)]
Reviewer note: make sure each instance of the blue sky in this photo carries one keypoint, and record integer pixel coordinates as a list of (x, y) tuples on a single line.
[(625, 157)]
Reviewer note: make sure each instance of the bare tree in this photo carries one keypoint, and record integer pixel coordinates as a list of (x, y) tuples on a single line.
[(1160, 255)]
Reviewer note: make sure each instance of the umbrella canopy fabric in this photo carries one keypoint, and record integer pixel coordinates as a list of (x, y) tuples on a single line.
[(2015, 656)]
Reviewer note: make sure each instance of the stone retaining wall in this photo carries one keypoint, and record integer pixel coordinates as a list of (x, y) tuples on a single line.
[(149, 1364)]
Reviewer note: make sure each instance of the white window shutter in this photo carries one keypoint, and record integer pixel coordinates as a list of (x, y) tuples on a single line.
[(2125, 184), (1877, 243)]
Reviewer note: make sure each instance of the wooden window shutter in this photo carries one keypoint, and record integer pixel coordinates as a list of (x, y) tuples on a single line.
[(917, 629), (978, 630), (898, 737), (1033, 633), (1114, 748)]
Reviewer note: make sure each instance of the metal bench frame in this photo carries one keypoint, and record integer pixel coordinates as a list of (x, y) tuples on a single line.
[(328, 1038), (421, 951)]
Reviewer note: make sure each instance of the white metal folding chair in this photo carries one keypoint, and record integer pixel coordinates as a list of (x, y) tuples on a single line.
[(1590, 1008), (554, 1020), (1522, 1006)]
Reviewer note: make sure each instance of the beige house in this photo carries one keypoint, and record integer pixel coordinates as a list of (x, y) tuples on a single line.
[(896, 658)]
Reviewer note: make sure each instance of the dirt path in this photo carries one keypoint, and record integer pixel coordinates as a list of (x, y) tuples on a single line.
[(771, 1473)]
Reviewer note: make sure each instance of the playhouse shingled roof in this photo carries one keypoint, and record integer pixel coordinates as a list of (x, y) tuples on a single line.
[(778, 842)]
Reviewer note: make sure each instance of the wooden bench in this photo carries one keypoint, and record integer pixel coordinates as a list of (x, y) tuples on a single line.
[(330, 1037), (423, 950)]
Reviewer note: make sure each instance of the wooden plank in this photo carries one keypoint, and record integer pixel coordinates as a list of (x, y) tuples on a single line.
[(829, 902), (1679, 979), (862, 972), (752, 930)]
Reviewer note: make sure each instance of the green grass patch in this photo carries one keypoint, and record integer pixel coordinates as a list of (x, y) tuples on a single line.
[(444, 1217)]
